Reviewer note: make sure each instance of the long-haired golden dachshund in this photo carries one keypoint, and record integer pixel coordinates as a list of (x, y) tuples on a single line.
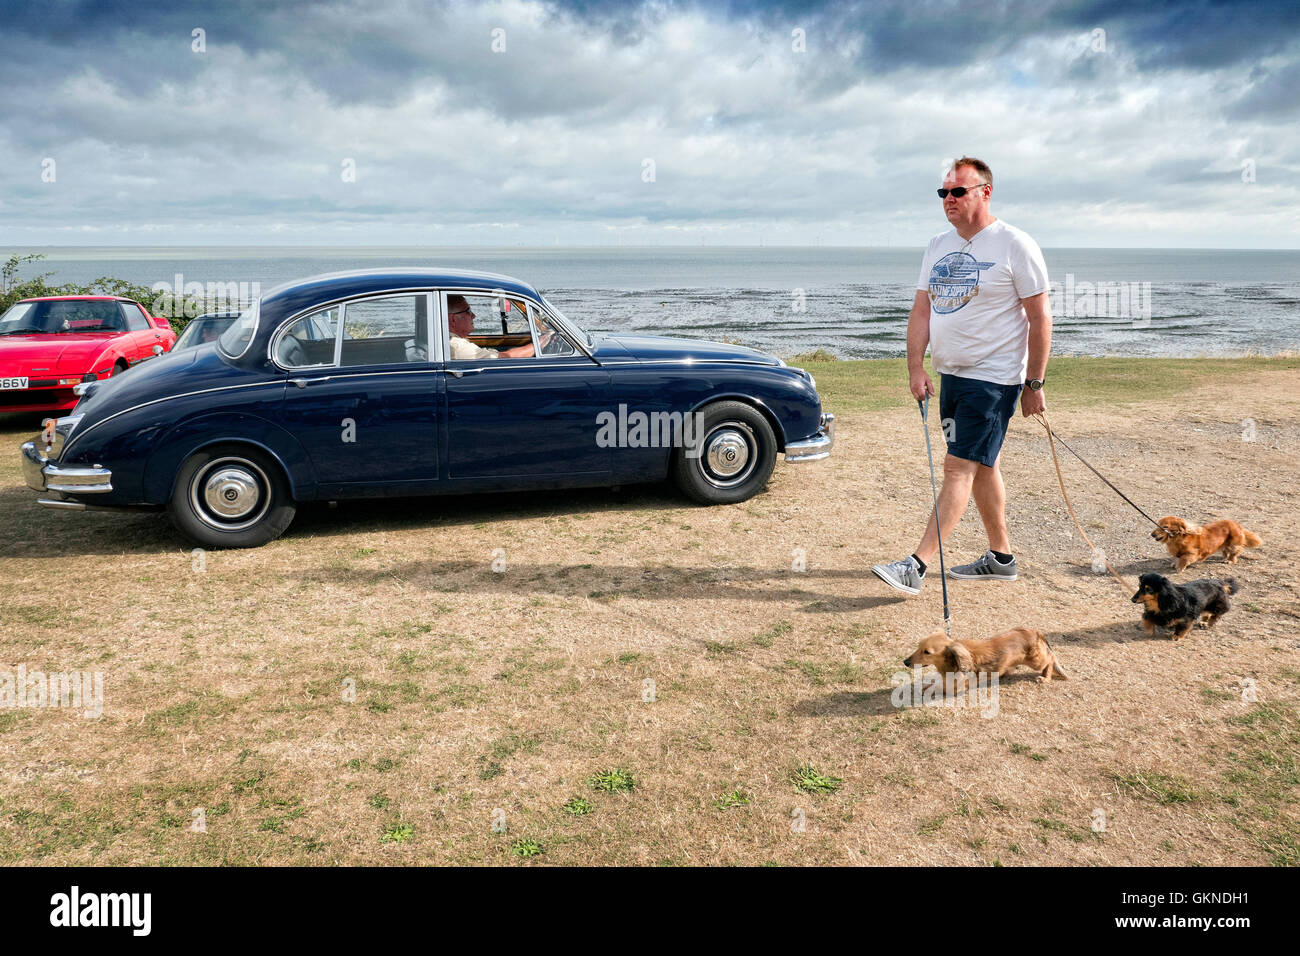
[(1189, 543), (1020, 646)]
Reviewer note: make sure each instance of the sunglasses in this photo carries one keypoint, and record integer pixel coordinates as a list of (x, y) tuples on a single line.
[(958, 191)]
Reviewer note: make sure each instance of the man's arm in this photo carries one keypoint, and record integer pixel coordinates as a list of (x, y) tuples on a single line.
[(918, 339), (1038, 309), (463, 350)]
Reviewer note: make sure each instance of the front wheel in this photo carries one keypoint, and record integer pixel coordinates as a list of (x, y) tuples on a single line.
[(732, 458), (231, 497)]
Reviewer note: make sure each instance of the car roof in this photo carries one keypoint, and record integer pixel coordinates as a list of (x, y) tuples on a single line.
[(342, 285), (77, 298)]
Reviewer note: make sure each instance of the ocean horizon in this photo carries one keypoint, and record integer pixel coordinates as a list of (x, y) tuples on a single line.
[(852, 301)]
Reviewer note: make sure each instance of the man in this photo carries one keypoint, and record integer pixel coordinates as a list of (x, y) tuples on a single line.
[(460, 321), (982, 308)]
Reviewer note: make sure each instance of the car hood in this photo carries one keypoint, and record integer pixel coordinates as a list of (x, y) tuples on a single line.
[(663, 348), (63, 352)]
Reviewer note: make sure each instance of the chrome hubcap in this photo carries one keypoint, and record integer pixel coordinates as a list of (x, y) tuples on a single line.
[(728, 455), (230, 493)]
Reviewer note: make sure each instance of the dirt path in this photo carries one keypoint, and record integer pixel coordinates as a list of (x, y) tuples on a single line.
[(479, 691)]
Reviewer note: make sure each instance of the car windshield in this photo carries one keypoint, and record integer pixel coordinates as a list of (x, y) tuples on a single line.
[(204, 329), (62, 315), (235, 340)]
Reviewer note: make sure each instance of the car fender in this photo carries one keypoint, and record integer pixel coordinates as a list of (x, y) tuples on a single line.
[(220, 428), (772, 419)]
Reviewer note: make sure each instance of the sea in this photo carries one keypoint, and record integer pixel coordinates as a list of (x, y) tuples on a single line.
[(852, 302)]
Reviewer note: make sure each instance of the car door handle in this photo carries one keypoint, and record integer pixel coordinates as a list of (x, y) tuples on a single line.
[(304, 382), (461, 372)]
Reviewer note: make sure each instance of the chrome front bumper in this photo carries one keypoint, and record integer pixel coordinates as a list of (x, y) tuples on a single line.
[(42, 474), (817, 447)]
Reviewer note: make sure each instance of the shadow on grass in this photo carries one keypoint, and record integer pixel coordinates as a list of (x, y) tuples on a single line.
[(608, 583), (869, 703), (1117, 632), (879, 702), (37, 531), (1130, 569)]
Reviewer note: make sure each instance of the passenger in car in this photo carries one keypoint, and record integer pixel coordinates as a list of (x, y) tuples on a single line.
[(460, 321)]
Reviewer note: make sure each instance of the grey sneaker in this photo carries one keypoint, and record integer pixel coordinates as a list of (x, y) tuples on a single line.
[(986, 568), (902, 575)]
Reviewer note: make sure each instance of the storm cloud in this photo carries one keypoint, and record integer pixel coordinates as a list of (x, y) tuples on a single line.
[(1106, 123)]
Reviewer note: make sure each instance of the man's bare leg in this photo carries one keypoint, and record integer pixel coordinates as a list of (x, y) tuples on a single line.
[(958, 477), (991, 499)]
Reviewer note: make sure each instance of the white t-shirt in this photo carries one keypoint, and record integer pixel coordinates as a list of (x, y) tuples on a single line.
[(465, 350), (978, 328)]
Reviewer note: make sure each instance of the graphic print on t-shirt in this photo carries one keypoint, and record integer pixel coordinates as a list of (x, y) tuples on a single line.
[(955, 280)]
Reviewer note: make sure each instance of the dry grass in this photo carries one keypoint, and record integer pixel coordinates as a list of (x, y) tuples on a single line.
[(650, 682)]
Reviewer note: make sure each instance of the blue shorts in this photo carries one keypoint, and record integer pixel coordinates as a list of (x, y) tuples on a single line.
[(975, 416)]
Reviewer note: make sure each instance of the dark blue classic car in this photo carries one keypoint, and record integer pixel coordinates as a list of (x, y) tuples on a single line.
[(414, 383)]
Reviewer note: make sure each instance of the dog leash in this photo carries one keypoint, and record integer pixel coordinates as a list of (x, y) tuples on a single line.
[(1051, 434), (1061, 481), (924, 403)]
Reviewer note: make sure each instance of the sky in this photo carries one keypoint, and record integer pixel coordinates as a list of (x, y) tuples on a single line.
[(1106, 123)]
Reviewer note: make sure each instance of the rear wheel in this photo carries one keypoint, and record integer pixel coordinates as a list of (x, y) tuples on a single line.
[(736, 454), (231, 497)]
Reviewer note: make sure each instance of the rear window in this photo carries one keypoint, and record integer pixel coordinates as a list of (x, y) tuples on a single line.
[(235, 340)]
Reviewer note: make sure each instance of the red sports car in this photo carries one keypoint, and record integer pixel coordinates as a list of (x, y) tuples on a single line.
[(51, 344)]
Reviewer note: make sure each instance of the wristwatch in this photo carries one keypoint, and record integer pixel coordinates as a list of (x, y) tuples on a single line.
[(1035, 383)]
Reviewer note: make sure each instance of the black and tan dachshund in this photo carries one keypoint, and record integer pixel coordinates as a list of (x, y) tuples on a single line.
[(1180, 606)]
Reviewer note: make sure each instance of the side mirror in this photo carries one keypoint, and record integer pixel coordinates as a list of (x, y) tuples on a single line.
[(161, 322), (157, 350)]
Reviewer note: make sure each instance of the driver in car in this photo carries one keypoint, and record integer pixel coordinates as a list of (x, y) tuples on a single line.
[(460, 320)]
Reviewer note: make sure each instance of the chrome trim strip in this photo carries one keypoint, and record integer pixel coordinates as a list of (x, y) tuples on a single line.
[(357, 373), (338, 337), (702, 361), (167, 398), (507, 364), (62, 505)]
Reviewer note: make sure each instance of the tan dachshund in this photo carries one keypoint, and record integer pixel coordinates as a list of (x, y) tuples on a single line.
[(998, 655), (1189, 543)]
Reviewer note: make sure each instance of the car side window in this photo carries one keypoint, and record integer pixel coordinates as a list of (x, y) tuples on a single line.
[(309, 341), (135, 320), (387, 330), (483, 325)]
